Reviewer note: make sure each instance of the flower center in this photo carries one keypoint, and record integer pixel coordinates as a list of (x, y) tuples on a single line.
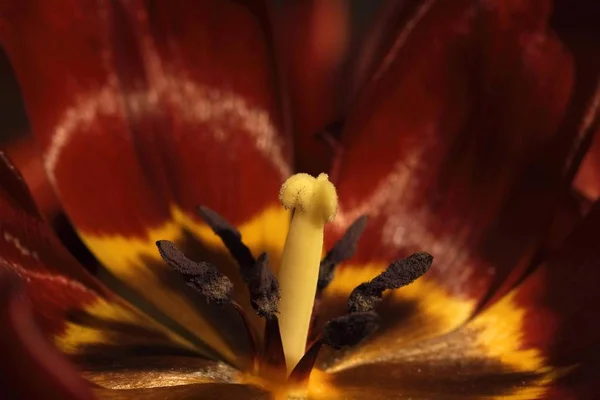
[(287, 303)]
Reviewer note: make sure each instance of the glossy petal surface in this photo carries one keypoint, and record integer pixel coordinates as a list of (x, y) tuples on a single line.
[(212, 391), (455, 149), (154, 370), (454, 366)]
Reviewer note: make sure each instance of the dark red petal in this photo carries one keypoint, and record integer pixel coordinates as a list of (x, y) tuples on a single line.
[(581, 383), (538, 341), (28, 248), (30, 368), (561, 299), (27, 241), (548, 323), (313, 38), (453, 148)]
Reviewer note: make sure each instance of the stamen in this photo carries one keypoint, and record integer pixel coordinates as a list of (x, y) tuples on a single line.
[(203, 277), (301, 373), (263, 287), (262, 284), (273, 350), (343, 250), (400, 273), (230, 236), (349, 329)]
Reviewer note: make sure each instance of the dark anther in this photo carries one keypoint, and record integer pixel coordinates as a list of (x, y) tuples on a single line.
[(264, 288), (343, 250), (203, 277), (400, 273), (349, 329), (262, 284), (231, 237)]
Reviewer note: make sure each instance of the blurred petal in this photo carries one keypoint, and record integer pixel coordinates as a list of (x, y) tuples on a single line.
[(210, 391), (313, 39), (147, 112), (30, 367), (455, 149)]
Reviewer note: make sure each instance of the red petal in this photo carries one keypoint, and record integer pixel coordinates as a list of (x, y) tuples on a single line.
[(27, 241), (454, 147), (146, 112), (313, 38), (218, 86), (56, 283), (147, 105), (30, 368), (76, 110)]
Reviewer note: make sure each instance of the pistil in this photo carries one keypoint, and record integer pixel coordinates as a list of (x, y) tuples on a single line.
[(313, 202)]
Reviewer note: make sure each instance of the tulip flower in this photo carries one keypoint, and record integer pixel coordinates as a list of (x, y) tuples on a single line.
[(441, 254)]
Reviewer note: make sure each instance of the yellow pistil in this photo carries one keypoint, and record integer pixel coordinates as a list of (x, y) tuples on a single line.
[(314, 202)]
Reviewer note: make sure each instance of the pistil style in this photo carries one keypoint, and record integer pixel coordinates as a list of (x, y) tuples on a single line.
[(313, 202)]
